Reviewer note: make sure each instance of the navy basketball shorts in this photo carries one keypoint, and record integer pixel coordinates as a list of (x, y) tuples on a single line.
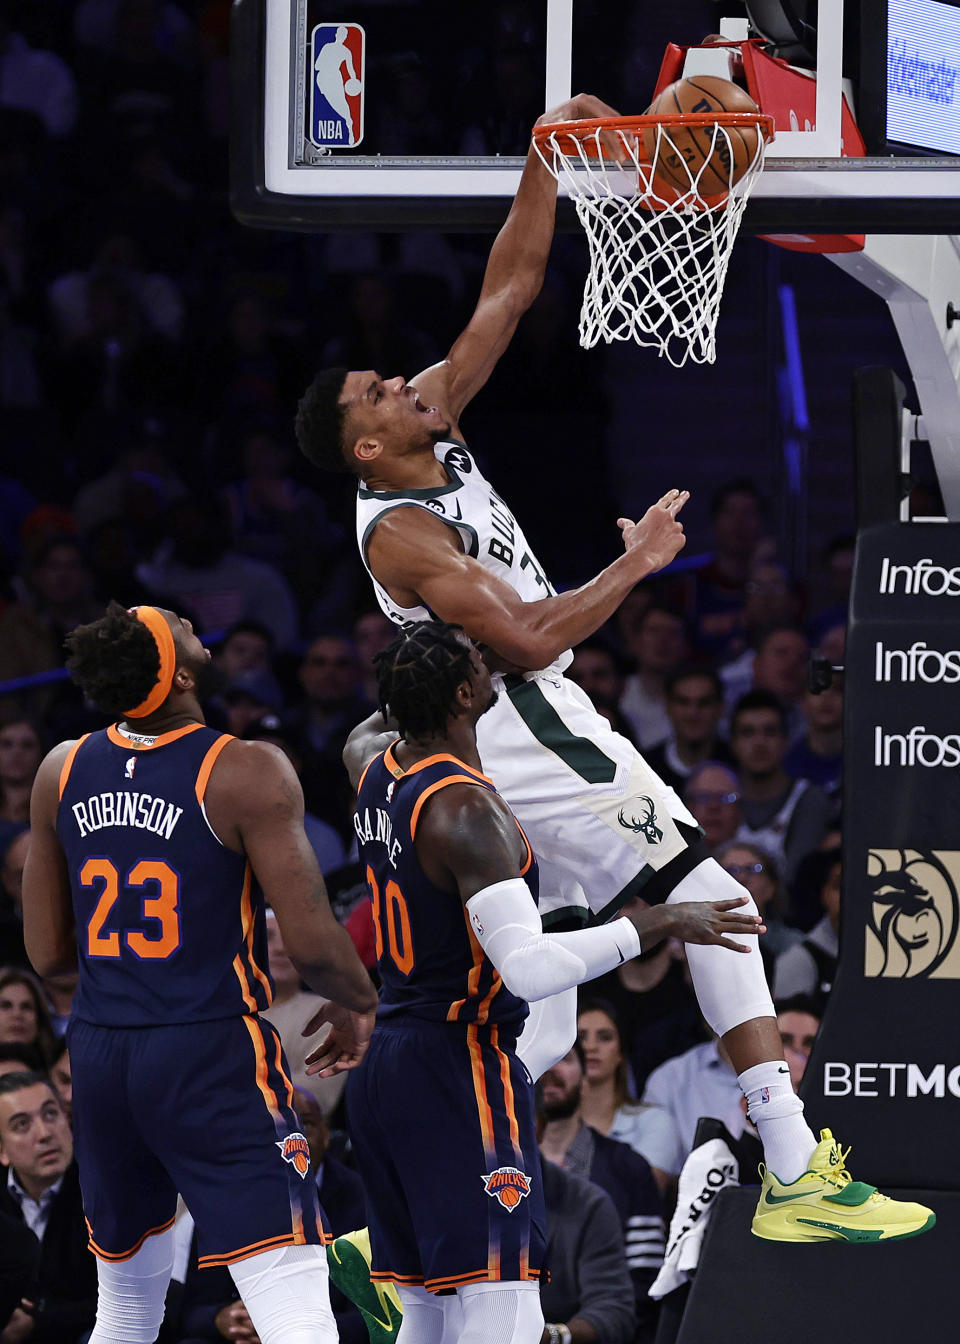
[(203, 1109), (442, 1122)]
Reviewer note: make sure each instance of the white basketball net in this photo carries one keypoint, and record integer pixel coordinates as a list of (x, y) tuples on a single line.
[(658, 257)]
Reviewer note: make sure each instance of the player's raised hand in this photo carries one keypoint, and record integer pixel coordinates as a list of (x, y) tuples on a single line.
[(581, 107), (713, 921), (659, 533), (344, 1045)]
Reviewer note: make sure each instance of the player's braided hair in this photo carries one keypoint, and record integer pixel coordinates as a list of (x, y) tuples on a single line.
[(417, 675), (319, 422), (115, 660)]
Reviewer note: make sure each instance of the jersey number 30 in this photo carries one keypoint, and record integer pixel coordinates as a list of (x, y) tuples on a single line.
[(163, 906), (394, 912)]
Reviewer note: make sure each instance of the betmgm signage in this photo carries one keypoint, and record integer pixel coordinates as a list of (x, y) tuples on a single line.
[(885, 1072)]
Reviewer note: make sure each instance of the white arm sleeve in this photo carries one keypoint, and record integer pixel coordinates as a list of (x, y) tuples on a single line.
[(535, 964)]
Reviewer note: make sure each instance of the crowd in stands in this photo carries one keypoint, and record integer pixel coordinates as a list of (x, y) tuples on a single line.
[(151, 355)]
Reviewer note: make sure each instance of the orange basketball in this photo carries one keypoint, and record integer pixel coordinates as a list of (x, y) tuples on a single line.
[(725, 158), (509, 1197)]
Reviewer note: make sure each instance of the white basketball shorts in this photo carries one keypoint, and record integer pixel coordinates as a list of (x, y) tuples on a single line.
[(601, 823)]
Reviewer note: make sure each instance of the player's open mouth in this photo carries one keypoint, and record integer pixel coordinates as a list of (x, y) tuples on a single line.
[(421, 407)]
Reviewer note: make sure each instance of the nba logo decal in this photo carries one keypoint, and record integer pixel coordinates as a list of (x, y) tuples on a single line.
[(130, 766), (507, 1185), (336, 103), (295, 1150)]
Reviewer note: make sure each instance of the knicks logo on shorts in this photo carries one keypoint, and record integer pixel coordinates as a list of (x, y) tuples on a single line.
[(295, 1150), (507, 1185)]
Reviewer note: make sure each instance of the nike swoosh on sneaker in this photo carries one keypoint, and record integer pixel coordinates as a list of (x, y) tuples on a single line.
[(787, 1199)]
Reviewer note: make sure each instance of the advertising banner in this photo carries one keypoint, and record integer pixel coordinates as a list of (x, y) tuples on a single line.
[(885, 1072)]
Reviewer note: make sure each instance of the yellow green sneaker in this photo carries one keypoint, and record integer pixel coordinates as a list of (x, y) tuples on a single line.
[(826, 1204), (348, 1259)]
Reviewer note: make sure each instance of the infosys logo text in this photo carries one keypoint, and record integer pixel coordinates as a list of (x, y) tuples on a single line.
[(918, 663), (890, 1080), (915, 747), (922, 577)]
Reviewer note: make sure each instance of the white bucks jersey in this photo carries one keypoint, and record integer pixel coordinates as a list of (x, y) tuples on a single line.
[(487, 528)]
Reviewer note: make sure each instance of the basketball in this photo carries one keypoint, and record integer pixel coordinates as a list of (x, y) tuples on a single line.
[(351, 87), (724, 160)]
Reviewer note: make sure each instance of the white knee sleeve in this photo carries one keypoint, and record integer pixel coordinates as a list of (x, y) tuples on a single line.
[(731, 988), (287, 1295), (548, 1033), (424, 1316), (132, 1292), (500, 1313)]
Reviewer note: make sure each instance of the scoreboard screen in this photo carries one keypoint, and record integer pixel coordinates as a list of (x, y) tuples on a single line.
[(910, 76)]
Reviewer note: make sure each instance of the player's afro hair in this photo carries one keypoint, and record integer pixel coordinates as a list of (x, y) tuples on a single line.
[(115, 660), (319, 422), (418, 674)]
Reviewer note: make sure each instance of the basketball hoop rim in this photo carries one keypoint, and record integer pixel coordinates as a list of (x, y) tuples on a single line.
[(588, 126)]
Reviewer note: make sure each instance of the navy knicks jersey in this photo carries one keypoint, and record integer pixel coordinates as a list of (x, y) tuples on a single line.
[(170, 923), (430, 962)]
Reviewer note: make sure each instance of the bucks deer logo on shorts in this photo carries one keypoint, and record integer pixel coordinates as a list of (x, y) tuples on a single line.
[(507, 1185), (295, 1150), (645, 824)]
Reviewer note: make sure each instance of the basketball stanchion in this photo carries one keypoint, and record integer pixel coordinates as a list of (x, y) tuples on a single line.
[(660, 197)]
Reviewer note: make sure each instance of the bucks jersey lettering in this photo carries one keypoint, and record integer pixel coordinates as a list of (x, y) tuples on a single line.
[(430, 963), (170, 923), (486, 527)]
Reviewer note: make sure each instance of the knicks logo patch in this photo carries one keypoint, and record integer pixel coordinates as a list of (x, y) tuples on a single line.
[(507, 1185), (295, 1150)]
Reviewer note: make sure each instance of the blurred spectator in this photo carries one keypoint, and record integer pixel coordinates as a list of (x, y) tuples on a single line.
[(657, 642), (694, 704), (713, 796), (799, 1021), (589, 1288), (324, 839), (248, 700), (113, 557), (607, 1104), (247, 647), (374, 334), (837, 560), (42, 1193), (718, 593), (196, 567), (699, 1082), (56, 597), (778, 665), (818, 755), (250, 368), (12, 859), (138, 488), (118, 256), (291, 1010), (332, 705), (24, 1017), (34, 80), (281, 522), (811, 966), (614, 1167), (372, 632), (785, 816), (62, 1077), (772, 601), (756, 870), (19, 368), (21, 751), (16, 1058)]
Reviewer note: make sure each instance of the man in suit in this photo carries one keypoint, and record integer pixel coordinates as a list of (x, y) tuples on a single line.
[(41, 1195)]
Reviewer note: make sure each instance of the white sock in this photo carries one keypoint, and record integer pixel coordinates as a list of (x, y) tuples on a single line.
[(287, 1296), (131, 1293), (777, 1111), (423, 1316)]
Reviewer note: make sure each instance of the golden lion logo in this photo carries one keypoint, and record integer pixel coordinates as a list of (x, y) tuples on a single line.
[(295, 1150), (507, 1185), (913, 914)]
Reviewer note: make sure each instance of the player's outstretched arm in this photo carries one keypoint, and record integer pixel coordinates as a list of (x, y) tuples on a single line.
[(48, 926), (255, 805), (413, 553), (365, 743), (471, 835), (512, 280)]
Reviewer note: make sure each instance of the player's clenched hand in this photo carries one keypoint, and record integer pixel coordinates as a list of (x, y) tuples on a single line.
[(710, 921), (344, 1045), (658, 536), (585, 106)]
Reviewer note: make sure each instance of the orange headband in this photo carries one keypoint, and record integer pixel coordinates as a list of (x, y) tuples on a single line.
[(163, 638)]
